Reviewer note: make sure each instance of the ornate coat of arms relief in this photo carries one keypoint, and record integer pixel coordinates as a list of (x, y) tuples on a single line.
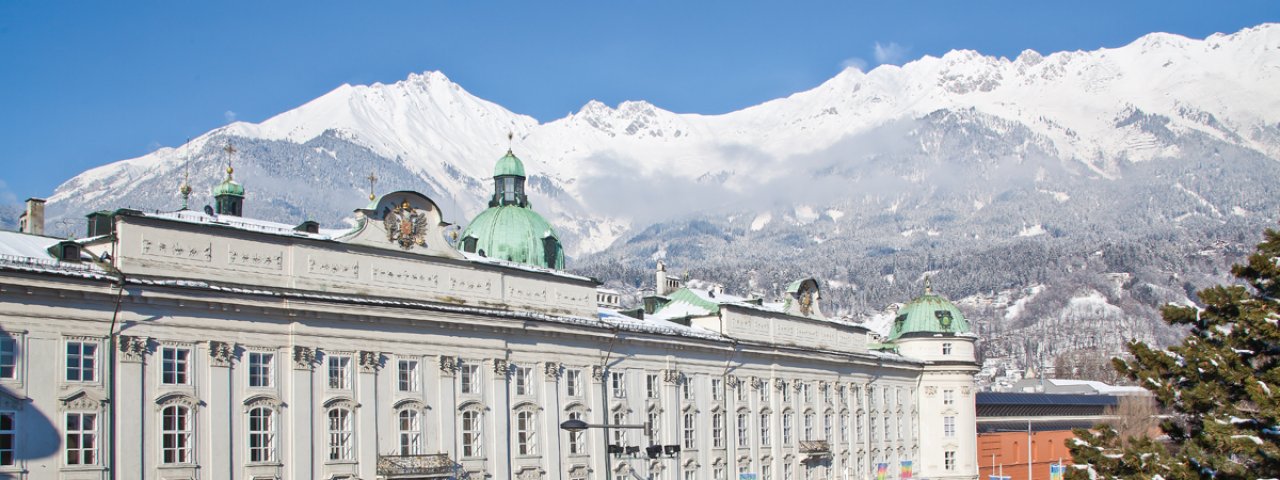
[(406, 226)]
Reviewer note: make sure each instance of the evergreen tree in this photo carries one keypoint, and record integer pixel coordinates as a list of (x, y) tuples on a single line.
[(1220, 387)]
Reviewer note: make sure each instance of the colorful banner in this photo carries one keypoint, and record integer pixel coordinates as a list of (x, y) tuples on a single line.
[(1057, 471), (882, 471), (906, 469)]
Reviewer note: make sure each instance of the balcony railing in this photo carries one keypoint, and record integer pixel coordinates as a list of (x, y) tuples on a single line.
[(415, 466), (814, 446)]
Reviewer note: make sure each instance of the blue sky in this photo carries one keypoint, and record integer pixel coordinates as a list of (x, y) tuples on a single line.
[(86, 83)]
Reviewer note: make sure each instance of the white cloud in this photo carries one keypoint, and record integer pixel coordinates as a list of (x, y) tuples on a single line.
[(854, 62), (6, 195), (229, 115), (890, 52)]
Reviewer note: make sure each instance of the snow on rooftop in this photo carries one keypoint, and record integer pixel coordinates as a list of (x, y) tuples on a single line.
[(18, 244), (1100, 387)]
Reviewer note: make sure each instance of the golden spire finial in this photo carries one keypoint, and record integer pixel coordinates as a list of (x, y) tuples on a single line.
[(928, 285), (510, 135), (373, 179), (185, 188), (231, 152)]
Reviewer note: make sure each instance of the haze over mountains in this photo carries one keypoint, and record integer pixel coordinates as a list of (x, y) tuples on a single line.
[(1061, 198)]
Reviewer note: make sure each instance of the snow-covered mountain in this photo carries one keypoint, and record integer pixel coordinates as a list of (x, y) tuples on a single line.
[(603, 171)]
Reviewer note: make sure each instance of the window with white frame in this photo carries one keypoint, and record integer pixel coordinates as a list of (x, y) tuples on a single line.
[(469, 377), (576, 439), (898, 428), (809, 420), (744, 426), (826, 395), (717, 430), (690, 426), (765, 438), (766, 470), (339, 372), (806, 393), (887, 433), (717, 389), (175, 366), (619, 434), (946, 349), (686, 389), (341, 435), (176, 431), (651, 386), (8, 357), (949, 426), (526, 432), (844, 428), (788, 472), (948, 397), (859, 429), (871, 429), (764, 394), (786, 393), (81, 444), (262, 435), (788, 422), (717, 473), (472, 445), (260, 369), (82, 361), (523, 378), (826, 427), (573, 382), (655, 423), (690, 474), (407, 376), (619, 383), (871, 398), (740, 392), (8, 438), (409, 429), (949, 460)]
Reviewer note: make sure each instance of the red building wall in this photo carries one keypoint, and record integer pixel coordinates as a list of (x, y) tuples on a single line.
[(1009, 450)]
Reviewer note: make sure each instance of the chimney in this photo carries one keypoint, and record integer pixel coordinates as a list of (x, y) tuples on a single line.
[(32, 220)]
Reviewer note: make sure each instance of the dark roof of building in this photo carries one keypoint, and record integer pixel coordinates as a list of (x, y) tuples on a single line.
[(1043, 399)]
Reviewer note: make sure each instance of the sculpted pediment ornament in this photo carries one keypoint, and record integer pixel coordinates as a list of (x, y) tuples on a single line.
[(83, 400), (133, 349), (304, 358), (551, 370), (178, 398), (930, 391), (221, 354), (268, 401), (501, 367), (597, 373), (448, 365), (370, 361), (671, 376)]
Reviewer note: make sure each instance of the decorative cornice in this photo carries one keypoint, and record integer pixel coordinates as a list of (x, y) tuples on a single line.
[(370, 362), (304, 358), (134, 349), (448, 365), (551, 370), (221, 354)]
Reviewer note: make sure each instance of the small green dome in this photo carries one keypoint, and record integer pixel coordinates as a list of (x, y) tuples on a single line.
[(928, 314), (514, 233), (229, 187), (509, 165)]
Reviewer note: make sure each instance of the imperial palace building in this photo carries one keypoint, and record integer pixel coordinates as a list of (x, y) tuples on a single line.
[(209, 345)]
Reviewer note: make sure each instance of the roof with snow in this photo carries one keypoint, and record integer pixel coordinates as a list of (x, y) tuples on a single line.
[(928, 314)]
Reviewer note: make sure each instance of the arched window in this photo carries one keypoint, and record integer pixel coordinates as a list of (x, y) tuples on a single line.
[(471, 428), (827, 421), (577, 444), (717, 430), (176, 431), (809, 419), (765, 419), (690, 426), (744, 425), (262, 435), (341, 434), (409, 427), (526, 432), (788, 422)]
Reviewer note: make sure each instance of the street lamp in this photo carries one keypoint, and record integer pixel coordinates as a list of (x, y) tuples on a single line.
[(574, 425)]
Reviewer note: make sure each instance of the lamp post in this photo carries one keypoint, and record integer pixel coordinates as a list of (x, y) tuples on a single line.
[(576, 426)]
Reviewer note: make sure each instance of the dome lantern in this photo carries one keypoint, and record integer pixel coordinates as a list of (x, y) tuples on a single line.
[(510, 230)]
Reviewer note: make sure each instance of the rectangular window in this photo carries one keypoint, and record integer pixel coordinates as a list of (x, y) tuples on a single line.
[(765, 438), (786, 393), (766, 470), (82, 439), (949, 427), (8, 357), (808, 426), (471, 439), (262, 435), (469, 375), (409, 425), (339, 372), (764, 395), (523, 377), (619, 434), (806, 393), (260, 369), (787, 423), (686, 389), (174, 365), (717, 389), (407, 376), (82, 361), (948, 397), (8, 437), (946, 349), (690, 426), (175, 434), (717, 430), (654, 424), (740, 392), (576, 438), (619, 382), (826, 427), (690, 474), (787, 472), (744, 424), (526, 433), (949, 460), (651, 386), (340, 435), (573, 382), (844, 428)]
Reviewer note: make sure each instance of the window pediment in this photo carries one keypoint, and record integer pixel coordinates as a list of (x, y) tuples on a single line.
[(341, 402), (10, 402), (410, 404), (263, 400), (82, 400), (179, 398)]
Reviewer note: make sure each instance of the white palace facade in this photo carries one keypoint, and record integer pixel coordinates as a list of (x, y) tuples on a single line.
[(208, 345)]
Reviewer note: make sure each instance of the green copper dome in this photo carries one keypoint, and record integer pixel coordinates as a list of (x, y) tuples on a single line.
[(229, 187), (928, 314), (509, 165), (514, 233), (509, 229)]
